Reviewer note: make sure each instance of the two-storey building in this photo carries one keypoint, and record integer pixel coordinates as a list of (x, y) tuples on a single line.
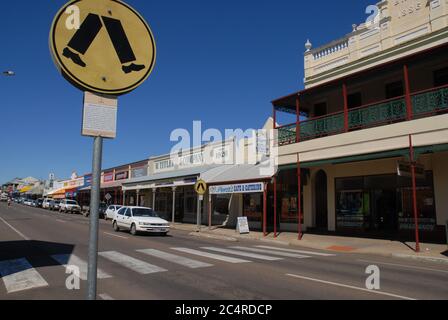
[(374, 107)]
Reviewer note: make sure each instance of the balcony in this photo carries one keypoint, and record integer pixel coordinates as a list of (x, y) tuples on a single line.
[(425, 103)]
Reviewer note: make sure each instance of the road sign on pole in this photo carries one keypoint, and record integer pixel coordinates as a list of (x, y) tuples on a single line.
[(111, 53)]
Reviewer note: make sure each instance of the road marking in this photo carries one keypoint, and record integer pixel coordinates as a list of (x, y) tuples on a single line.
[(299, 251), (190, 263), (131, 263), (19, 275), (71, 260), (404, 266), (105, 296), (350, 287), (211, 255), (15, 230), (243, 254), (115, 235), (61, 221), (275, 253)]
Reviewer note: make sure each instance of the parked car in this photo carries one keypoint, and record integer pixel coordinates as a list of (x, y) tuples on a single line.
[(54, 205), (46, 203), (4, 197), (34, 203), (39, 202), (28, 202), (102, 211), (111, 210), (139, 219), (70, 206)]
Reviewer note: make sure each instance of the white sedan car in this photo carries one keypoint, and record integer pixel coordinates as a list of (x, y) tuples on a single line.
[(139, 219), (111, 210)]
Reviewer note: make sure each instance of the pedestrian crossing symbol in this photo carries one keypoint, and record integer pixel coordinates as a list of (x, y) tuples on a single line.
[(200, 187), (111, 52)]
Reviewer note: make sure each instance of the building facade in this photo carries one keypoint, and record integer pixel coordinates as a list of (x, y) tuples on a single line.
[(370, 136)]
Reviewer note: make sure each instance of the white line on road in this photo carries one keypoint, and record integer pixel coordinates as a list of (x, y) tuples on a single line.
[(211, 255), (105, 296), (275, 253), (298, 251), (19, 275), (403, 266), (350, 287), (243, 254), (190, 263), (15, 230), (71, 260), (61, 221), (131, 263), (115, 235)]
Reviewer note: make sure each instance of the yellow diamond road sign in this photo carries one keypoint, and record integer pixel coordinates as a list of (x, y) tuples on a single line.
[(201, 187), (112, 50)]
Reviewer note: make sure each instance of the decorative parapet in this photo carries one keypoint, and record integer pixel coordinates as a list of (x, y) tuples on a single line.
[(398, 23)]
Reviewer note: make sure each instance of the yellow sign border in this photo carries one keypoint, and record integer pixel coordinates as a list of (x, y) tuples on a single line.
[(80, 84), (196, 186)]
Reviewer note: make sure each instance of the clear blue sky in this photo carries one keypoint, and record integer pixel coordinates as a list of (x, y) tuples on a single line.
[(221, 62)]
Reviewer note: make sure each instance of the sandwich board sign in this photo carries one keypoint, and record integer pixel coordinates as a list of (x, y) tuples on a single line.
[(243, 225), (112, 50)]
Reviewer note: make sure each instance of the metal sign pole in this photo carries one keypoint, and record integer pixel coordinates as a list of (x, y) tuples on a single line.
[(94, 219)]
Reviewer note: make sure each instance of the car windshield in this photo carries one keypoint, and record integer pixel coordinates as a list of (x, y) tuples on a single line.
[(144, 213), (72, 202)]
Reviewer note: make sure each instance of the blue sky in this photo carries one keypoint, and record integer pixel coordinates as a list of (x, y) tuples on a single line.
[(220, 62)]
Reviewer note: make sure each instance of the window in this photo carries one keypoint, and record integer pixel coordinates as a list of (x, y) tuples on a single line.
[(320, 109), (441, 77), (354, 100), (253, 207), (394, 89), (146, 213), (121, 211)]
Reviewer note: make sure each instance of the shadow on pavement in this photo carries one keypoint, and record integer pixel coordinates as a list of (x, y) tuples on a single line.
[(37, 253), (445, 253)]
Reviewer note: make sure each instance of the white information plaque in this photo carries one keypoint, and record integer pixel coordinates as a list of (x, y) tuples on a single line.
[(99, 116)]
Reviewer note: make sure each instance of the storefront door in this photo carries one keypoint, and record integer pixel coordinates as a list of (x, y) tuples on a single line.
[(384, 211)]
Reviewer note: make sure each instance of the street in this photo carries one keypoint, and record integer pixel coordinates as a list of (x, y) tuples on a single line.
[(36, 245)]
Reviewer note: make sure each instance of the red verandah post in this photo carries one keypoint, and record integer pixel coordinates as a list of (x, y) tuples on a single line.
[(299, 197), (275, 206), (344, 93), (265, 232), (297, 119), (407, 88), (414, 195)]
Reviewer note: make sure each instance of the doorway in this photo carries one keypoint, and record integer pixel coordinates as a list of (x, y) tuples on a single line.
[(321, 200)]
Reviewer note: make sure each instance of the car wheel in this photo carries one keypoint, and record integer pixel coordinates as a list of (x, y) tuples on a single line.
[(116, 227), (133, 230)]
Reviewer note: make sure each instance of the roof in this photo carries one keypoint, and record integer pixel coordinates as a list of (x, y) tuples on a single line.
[(238, 173)]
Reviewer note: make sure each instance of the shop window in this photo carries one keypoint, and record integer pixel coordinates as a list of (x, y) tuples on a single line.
[(354, 100), (394, 90), (441, 77), (220, 208), (253, 207), (352, 207)]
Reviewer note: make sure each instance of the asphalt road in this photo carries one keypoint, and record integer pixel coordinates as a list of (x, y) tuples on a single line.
[(35, 246)]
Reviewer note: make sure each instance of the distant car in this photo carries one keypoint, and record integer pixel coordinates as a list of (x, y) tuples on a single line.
[(139, 219), (46, 203), (39, 202), (34, 203), (4, 197), (28, 202), (70, 206), (102, 211), (110, 212), (54, 205)]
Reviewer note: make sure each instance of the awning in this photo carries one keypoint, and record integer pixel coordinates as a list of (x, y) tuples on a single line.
[(173, 177), (25, 189), (239, 173)]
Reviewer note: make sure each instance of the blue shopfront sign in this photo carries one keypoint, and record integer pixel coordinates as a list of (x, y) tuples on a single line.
[(238, 188)]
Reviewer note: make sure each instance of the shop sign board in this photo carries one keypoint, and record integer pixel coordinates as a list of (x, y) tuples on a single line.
[(243, 225), (404, 169), (122, 175), (238, 188)]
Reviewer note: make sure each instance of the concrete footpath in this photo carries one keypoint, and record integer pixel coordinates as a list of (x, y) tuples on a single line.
[(429, 252)]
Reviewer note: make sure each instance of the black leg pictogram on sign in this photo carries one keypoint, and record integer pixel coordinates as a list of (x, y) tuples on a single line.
[(84, 37)]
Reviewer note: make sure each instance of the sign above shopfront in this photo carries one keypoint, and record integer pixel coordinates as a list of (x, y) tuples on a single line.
[(404, 169), (238, 188)]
